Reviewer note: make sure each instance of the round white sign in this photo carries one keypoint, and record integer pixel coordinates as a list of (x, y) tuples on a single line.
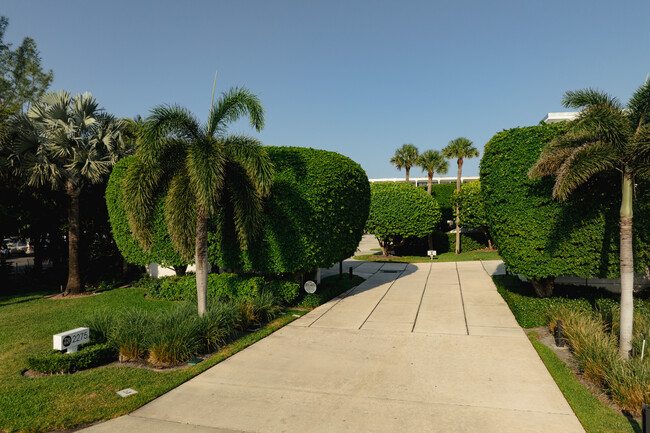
[(310, 287)]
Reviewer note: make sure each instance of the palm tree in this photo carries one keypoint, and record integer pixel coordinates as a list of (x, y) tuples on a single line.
[(432, 161), (405, 157), (604, 137), (460, 149), (66, 142), (203, 171)]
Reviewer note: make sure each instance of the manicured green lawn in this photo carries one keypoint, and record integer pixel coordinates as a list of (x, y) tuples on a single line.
[(27, 324), (594, 416), (444, 257)]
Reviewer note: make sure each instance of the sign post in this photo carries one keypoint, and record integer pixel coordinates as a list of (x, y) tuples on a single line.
[(70, 340), (431, 253)]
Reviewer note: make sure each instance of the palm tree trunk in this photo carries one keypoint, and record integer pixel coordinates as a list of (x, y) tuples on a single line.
[(74, 284), (202, 262), (627, 269), (429, 182), (460, 171), (408, 169)]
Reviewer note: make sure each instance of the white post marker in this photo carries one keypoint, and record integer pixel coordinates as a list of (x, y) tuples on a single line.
[(69, 340), (431, 253)]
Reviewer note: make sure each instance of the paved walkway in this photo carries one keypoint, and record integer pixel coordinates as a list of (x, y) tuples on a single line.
[(414, 348)]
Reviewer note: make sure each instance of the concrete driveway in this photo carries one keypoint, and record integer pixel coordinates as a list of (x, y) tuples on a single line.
[(415, 348)]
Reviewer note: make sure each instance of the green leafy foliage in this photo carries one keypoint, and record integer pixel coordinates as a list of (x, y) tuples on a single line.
[(313, 217), (55, 361), (224, 287), (399, 211), (162, 250), (471, 205), (539, 237), (443, 193)]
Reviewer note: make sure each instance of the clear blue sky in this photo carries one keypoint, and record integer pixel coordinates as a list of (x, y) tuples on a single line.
[(356, 77)]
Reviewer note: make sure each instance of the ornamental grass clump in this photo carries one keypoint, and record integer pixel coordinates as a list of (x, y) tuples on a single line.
[(128, 334), (591, 336), (629, 383), (218, 325), (173, 337)]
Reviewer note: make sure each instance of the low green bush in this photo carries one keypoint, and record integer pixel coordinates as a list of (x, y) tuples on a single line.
[(442, 243), (173, 338), (226, 286), (57, 362), (531, 311)]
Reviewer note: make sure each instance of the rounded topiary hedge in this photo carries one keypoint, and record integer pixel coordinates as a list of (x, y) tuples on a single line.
[(541, 238), (313, 217), (162, 250), (399, 211)]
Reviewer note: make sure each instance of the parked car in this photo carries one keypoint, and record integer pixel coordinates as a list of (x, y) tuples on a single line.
[(20, 248)]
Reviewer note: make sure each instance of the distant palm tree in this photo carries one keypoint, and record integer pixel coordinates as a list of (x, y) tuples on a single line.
[(405, 157), (66, 142), (604, 137), (460, 149), (432, 161), (206, 171)]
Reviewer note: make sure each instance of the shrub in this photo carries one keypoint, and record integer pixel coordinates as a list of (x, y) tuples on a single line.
[(162, 250), (219, 324), (173, 338), (471, 206), (128, 334), (399, 211), (443, 194), (226, 286), (442, 243), (99, 323), (314, 217), (539, 237), (55, 362)]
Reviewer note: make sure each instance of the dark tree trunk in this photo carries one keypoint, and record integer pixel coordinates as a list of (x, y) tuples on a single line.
[(74, 284), (202, 261), (543, 286)]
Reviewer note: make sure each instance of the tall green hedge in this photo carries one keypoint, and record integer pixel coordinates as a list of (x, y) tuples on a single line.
[(539, 237), (314, 217), (399, 211), (443, 193), (162, 251)]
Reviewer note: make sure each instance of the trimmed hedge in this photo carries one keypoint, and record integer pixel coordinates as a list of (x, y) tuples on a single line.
[(443, 193), (442, 243), (224, 287), (162, 250), (314, 217), (57, 362), (539, 237), (399, 211)]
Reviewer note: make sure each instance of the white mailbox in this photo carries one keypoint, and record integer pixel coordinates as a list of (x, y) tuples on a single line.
[(69, 340)]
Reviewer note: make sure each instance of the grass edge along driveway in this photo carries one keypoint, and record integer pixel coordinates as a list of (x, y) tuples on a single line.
[(27, 324)]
